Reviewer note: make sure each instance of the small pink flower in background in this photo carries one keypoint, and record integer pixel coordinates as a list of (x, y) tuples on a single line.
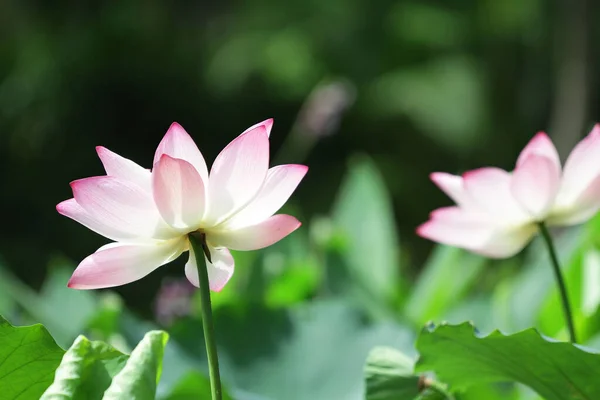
[(497, 212), (173, 301), (150, 213)]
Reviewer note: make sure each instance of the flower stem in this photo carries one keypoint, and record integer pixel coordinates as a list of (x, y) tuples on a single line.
[(198, 246), (560, 281)]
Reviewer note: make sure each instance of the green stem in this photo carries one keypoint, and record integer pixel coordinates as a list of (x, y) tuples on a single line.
[(198, 246), (560, 281)]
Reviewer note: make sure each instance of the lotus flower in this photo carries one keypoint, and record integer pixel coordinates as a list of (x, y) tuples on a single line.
[(149, 214), (498, 212)]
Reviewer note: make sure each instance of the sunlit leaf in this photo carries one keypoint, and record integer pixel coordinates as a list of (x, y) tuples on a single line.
[(28, 358), (140, 376), (590, 298), (85, 371)]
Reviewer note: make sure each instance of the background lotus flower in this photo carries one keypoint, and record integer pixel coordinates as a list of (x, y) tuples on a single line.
[(150, 213), (498, 212)]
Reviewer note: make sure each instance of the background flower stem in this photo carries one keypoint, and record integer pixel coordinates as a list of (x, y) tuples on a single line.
[(560, 281), (207, 320)]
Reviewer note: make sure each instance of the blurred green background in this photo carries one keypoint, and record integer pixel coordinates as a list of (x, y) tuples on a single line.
[(373, 96)]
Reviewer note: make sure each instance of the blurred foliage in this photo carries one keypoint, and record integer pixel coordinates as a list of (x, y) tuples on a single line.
[(436, 85), (411, 86)]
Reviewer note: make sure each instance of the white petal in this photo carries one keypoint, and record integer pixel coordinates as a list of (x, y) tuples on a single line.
[(121, 205), (237, 174), (70, 208), (279, 185), (581, 168), (118, 264), (122, 168), (178, 192), (540, 145), (535, 183), (454, 227), (256, 236), (452, 185), (580, 209), (177, 143), (219, 271), (489, 192)]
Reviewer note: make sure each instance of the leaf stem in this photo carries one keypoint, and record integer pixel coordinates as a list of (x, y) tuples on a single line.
[(430, 385), (560, 281), (198, 244)]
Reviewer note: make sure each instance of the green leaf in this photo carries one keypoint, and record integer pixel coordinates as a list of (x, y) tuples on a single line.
[(555, 370), (430, 394), (389, 375), (437, 288), (140, 376), (86, 371), (193, 386), (364, 214), (177, 360), (28, 358)]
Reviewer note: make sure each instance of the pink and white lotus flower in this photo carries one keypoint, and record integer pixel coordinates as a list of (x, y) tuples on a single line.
[(148, 214), (498, 212)]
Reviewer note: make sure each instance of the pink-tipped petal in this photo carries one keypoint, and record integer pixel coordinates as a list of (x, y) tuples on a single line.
[(177, 143), (490, 240), (266, 124), (489, 192), (256, 236), (540, 145), (452, 185), (122, 168), (121, 205), (237, 174), (535, 183), (220, 270), (582, 166), (178, 192), (279, 185), (71, 209), (118, 264)]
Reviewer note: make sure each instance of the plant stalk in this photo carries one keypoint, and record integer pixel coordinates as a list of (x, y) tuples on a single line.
[(564, 296), (197, 241), (427, 385)]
